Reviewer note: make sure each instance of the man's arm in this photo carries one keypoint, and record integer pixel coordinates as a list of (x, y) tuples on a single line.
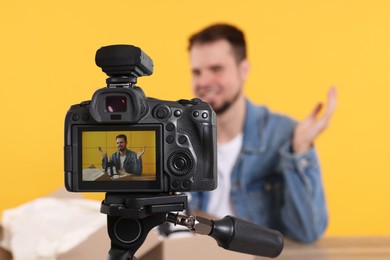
[(304, 212), (307, 130), (104, 157), (134, 163), (138, 166), (138, 162)]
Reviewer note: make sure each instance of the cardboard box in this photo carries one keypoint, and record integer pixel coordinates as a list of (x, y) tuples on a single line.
[(96, 246), (3, 254)]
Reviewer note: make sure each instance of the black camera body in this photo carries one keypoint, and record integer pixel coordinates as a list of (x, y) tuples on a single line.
[(178, 139)]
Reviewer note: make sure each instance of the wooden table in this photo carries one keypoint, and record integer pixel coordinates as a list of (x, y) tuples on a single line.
[(338, 248)]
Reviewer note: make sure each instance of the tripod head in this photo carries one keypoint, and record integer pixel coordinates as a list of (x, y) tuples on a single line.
[(130, 217)]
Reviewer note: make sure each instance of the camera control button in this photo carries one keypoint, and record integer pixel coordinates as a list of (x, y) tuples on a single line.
[(162, 113), (175, 184), (182, 139), (170, 127), (177, 113), (186, 184), (75, 117), (195, 113), (170, 139), (204, 115), (180, 163)]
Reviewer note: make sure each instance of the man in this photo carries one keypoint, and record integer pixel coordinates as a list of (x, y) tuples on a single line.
[(267, 166), (124, 159)]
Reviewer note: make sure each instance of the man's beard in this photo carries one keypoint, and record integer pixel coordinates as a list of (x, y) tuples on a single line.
[(122, 149), (227, 104)]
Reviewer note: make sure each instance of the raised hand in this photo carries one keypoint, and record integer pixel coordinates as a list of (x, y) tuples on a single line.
[(103, 153), (307, 130), (141, 152)]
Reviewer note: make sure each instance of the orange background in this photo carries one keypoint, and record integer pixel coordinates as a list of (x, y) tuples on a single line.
[(297, 49)]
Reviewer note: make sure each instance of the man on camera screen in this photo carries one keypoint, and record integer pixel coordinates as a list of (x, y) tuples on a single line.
[(124, 159)]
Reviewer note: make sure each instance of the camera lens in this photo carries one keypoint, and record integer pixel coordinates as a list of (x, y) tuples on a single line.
[(116, 104)]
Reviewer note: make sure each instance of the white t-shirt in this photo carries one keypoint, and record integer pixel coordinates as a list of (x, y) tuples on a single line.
[(220, 204), (122, 158)]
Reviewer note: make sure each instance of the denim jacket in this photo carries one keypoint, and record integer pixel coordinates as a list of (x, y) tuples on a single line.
[(271, 186)]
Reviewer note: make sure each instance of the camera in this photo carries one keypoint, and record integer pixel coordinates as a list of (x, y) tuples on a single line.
[(123, 141), (143, 152)]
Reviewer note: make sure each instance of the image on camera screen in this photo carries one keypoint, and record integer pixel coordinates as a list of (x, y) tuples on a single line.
[(119, 156)]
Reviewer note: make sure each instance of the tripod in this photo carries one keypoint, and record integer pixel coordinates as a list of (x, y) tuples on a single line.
[(130, 217)]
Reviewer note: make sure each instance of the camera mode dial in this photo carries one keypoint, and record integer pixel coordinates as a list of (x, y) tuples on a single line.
[(186, 102)]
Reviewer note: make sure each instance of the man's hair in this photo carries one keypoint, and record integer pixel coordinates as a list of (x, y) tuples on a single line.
[(122, 136), (222, 31)]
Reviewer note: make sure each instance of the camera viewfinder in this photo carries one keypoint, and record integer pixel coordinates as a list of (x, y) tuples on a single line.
[(116, 104)]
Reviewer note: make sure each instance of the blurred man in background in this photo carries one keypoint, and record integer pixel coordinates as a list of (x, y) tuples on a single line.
[(268, 170)]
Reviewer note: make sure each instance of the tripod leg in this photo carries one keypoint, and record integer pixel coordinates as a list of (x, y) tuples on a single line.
[(119, 254), (128, 234)]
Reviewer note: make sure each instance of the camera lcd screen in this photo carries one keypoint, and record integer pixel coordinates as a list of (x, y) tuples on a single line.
[(120, 158)]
